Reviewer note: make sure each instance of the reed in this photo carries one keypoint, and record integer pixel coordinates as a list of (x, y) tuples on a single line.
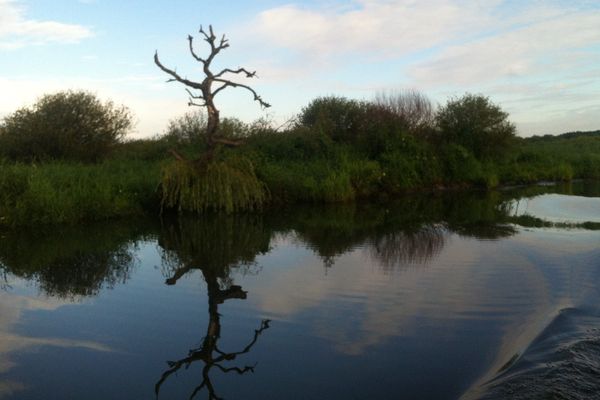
[(227, 185)]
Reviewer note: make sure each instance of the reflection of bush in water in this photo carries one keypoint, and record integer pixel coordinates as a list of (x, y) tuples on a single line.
[(334, 230), (81, 261), (214, 242), (72, 261), (410, 247), (411, 230)]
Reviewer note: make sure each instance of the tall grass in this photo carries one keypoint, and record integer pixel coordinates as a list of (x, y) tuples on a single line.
[(226, 185), (55, 193)]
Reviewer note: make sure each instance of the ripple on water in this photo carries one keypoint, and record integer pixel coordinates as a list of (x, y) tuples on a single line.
[(562, 363)]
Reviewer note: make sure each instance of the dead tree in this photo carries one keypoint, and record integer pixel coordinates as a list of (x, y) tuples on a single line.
[(203, 93), (209, 352)]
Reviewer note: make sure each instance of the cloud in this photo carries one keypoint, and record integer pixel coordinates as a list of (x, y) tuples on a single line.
[(549, 46), (17, 31), (371, 28), (12, 308), (445, 47)]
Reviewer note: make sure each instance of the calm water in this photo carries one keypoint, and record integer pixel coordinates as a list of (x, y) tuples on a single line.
[(433, 297)]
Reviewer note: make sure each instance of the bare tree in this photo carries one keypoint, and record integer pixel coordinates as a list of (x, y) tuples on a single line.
[(203, 93), (209, 352), (414, 109)]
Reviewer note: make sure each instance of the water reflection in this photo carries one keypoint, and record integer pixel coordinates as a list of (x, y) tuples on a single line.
[(397, 274), (214, 246), (67, 263)]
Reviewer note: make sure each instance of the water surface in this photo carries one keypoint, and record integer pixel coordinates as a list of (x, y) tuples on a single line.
[(429, 297)]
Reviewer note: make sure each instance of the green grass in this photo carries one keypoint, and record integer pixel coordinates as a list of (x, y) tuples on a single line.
[(290, 167), (57, 192)]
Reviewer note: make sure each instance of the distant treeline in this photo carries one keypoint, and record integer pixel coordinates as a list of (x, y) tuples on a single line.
[(567, 135), (66, 158)]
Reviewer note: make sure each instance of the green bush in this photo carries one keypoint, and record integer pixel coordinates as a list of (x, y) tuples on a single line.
[(460, 166), (477, 124), (71, 125), (296, 144), (188, 128), (338, 117)]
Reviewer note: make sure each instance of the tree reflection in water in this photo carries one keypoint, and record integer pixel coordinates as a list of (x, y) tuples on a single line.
[(72, 262), (214, 246), (410, 247)]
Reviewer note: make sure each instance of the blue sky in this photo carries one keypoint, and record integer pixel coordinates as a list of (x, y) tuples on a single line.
[(540, 60)]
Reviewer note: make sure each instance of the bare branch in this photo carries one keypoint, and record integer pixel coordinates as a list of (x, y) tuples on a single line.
[(198, 58), (194, 96), (175, 75), (240, 371), (234, 84), (237, 71), (194, 104), (206, 98)]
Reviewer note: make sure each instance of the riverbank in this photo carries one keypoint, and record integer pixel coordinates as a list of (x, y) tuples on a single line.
[(128, 183)]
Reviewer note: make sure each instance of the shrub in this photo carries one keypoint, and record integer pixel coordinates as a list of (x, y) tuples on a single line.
[(413, 110), (460, 166), (477, 124), (188, 128), (297, 144), (72, 125), (337, 117)]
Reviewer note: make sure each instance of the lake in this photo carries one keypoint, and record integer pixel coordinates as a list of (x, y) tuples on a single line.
[(432, 296)]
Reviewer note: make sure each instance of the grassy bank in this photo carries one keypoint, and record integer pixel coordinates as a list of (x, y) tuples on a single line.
[(338, 150), (295, 168), (59, 192)]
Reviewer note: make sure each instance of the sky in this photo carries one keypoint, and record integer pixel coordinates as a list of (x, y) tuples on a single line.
[(538, 60)]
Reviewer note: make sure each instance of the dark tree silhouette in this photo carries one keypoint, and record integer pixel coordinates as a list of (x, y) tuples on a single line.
[(203, 93), (214, 247), (209, 353)]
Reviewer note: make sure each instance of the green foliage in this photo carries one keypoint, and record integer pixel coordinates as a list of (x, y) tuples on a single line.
[(477, 124), (588, 166), (70, 193), (233, 128), (225, 185), (307, 181), (188, 128), (338, 117), (67, 125), (297, 144), (460, 166), (408, 163)]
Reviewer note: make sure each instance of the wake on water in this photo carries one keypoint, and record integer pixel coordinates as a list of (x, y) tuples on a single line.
[(563, 362)]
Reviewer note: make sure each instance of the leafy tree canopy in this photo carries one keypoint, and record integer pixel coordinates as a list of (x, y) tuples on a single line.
[(73, 125)]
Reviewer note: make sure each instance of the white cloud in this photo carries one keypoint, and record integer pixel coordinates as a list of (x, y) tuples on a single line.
[(445, 47), (382, 28), (542, 47), (16, 30)]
